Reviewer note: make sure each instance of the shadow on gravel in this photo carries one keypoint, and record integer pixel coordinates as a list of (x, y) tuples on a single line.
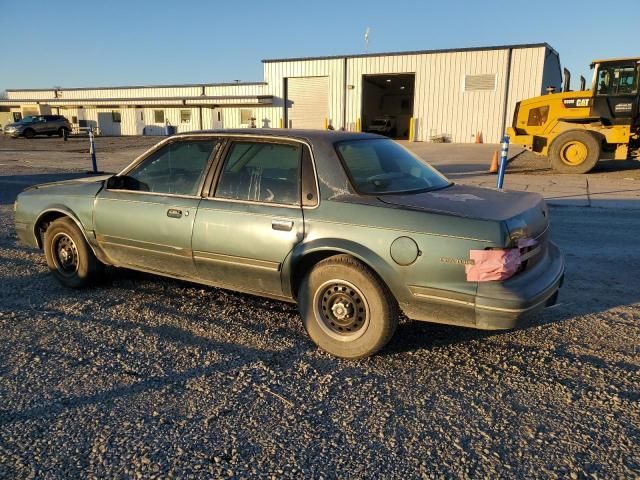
[(12, 185), (414, 335)]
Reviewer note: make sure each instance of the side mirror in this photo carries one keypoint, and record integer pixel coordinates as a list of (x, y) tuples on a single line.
[(124, 182), (115, 183)]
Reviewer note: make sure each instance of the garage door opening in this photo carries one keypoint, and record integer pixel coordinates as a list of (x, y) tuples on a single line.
[(387, 104)]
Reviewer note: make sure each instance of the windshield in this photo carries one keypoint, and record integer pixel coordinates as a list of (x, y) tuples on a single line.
[(379, 166)]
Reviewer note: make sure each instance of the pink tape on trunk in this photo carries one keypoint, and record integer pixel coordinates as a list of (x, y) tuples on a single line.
[(492, 264)]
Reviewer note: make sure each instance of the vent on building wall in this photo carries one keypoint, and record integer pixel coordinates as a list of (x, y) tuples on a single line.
[(475, 83)]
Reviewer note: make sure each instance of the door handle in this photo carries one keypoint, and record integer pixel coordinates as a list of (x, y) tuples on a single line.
[(174, 213), (282, 225)]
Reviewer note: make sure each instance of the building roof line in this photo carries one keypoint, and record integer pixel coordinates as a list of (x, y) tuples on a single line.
[(88, 101), (127, 87), (413, 52)]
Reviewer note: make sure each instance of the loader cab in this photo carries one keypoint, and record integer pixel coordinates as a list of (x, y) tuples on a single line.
[(616, 86)]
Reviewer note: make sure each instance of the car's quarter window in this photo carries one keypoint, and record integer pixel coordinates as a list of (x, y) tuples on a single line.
[(261, 172), (378, 166), (175, 169)]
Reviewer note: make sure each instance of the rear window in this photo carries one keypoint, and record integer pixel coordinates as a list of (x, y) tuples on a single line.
[(379, 166)]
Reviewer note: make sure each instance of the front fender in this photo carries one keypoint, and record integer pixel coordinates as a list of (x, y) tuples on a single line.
[(57, 211)]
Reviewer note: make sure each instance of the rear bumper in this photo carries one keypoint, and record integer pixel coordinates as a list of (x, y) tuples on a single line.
[(497, 305), (508, 304)]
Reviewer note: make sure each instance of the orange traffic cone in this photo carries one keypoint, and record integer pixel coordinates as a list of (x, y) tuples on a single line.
[(478, 136), (494, 163)]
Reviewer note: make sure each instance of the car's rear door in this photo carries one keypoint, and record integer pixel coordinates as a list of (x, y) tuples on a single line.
[(148, 224), (252, 218)]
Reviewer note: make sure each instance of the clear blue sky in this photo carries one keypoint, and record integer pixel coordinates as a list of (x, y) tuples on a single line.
[(94, 43)]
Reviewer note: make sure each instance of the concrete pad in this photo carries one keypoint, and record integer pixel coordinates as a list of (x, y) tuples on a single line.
[(621, 194), (468, 163)]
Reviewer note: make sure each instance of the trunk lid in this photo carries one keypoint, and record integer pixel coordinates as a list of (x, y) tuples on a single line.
[(524, 213)]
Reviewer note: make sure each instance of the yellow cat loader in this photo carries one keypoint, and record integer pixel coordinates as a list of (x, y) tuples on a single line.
[(576, 129)]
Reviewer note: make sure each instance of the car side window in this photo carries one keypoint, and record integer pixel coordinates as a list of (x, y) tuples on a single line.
[(175, 169), (261, 172)]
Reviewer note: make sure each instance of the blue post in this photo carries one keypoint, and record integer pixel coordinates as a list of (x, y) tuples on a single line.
[(92, 151), (503, 161)]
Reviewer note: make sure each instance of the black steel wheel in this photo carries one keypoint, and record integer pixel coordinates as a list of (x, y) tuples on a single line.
[(65, 254), (68, 255), (346, 309), (342, 309)]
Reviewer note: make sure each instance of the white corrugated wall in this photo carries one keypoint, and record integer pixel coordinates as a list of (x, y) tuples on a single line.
[(441, 104), (30, 94)]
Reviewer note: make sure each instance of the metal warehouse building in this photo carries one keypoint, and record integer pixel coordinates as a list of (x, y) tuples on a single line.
[(452, 93)]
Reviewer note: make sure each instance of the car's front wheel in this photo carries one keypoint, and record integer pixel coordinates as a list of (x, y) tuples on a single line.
[(68, 255), (29, 133), (346, 310)]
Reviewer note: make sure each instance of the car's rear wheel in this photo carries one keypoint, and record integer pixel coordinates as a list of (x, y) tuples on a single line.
[(575, 151), (68, 255), (29, 133), (346, 310)]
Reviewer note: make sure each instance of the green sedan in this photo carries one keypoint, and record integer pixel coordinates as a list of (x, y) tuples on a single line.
[(352, 227)]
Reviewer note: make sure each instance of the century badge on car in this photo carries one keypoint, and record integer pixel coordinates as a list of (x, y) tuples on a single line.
[(352, 227)]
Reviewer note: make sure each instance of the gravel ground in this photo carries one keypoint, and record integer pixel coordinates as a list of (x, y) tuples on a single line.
[(143, 377)]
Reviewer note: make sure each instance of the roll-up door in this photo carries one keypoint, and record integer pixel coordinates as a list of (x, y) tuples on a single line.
[(307, 102)]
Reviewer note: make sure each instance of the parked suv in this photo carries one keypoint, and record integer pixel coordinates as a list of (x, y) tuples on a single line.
[(34, 125)]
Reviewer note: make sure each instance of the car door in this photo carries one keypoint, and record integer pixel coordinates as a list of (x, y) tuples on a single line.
[(39, 124), (250, 222), (146, 221)]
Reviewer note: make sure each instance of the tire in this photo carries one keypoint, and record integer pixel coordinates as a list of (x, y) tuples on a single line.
[(68, 255), (29, 133), (575, 151), (61, 131), (359, 314)]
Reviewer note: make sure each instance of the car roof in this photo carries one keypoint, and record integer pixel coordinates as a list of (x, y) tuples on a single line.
[(311, 136)]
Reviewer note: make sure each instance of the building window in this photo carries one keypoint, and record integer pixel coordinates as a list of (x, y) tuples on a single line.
[(158, 116), (185, 116), (74, 119), (478, 83), (245, 116), (116, 117)]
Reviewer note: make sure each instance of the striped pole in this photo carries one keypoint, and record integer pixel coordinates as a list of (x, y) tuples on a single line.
[(504, 152)]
